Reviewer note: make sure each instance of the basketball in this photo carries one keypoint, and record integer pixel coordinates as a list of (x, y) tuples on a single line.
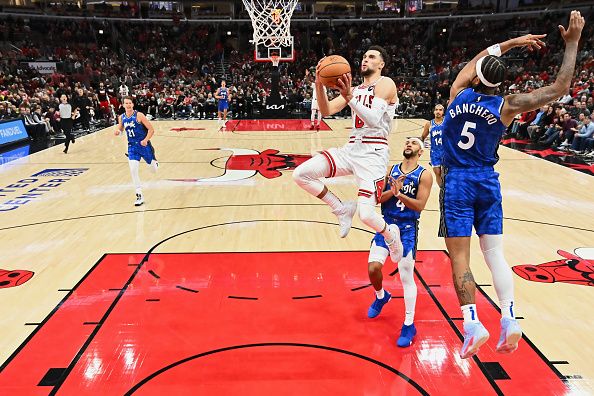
[(331, 68)]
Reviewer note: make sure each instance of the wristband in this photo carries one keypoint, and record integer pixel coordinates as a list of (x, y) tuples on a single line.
[(494, 50)]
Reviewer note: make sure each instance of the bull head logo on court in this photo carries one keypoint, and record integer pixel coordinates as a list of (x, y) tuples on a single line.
[(14, 278), (573, 269), (245, 163)]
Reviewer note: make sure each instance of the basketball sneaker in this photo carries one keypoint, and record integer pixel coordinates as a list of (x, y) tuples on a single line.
[(139, 200), (407, 335), (345, 217), (378, 304), (475, 335), (510, 335), (395, 245)]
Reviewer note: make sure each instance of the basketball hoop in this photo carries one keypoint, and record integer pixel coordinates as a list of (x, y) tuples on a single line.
[(275, 59), (271, 20)]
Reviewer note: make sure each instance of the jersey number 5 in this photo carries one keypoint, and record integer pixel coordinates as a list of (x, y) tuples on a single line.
[(466, 133)]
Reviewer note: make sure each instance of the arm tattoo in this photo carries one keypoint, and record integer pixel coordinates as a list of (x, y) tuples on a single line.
[(542, 96)]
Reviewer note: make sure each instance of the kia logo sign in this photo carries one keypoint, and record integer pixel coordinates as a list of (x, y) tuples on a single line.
[(275, 107)]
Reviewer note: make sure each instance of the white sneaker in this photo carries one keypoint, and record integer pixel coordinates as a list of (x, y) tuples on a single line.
[(139, 200), (345, 217), (395, 245)]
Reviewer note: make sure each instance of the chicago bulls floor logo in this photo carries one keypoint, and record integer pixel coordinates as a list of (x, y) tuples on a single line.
[(577, 269), (245, 163), (14, 278)]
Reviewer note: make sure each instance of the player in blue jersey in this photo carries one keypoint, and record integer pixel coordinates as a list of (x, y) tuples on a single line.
[(474, 123), (139, 131), (407, 189), (224, 96), (433, 129)]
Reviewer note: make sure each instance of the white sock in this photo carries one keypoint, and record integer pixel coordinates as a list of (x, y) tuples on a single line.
[(469, 313), (387, 235), (380, 293), (134, 165), (333, 201), (492, 247), (406, 271), (138, 191), (507, 309)]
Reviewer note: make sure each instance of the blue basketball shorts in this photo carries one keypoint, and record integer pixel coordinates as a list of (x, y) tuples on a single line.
[(470, 197), (136, 151), (409, 232), (435, 156), (223, 105)]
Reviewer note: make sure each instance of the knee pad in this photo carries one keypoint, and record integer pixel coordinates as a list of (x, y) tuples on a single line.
[(366, 212)]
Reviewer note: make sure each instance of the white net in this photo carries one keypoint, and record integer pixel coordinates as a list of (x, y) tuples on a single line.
[(271, 20)]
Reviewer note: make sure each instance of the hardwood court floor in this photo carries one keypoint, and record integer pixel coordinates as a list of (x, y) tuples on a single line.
[(70, 218)]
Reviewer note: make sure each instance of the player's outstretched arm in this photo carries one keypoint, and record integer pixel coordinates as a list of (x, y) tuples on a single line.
[(516, 104), (425, 131), (467, 74), (385, 93)]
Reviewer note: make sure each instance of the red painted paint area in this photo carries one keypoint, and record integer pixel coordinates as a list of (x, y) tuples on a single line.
[(273, 125), (263, 323)]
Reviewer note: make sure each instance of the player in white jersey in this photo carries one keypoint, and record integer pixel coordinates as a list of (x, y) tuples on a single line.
[(316, 114), (366, 154)]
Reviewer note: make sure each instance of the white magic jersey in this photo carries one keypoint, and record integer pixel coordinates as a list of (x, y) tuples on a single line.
[(365, 94)]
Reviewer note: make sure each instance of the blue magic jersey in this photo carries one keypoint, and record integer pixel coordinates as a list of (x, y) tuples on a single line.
[(224, 94), (436, 135), (435, 132), (394, 208), (472, 130), (135, 130)]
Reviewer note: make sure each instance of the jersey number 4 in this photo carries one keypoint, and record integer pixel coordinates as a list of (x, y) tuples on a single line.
[(466, 132)]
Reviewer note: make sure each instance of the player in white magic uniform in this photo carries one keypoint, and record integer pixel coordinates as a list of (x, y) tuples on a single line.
[(365, 156)]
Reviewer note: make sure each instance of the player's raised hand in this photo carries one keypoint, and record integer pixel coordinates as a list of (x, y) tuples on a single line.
[(574, 31), (396, 184), (530, 41), (343, 84)]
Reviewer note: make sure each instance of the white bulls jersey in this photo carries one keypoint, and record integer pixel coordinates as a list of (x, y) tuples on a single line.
[(314, 98), (365, 95)]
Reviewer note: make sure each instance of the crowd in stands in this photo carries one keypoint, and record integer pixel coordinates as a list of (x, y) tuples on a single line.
[(173, 70)]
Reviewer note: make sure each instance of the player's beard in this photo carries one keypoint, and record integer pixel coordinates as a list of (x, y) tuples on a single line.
[(366, 72), (409, 154)]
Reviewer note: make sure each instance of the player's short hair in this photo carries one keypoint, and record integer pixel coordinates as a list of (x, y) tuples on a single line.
[(130, 98), (382, 52), (440, 105), (493, 69)]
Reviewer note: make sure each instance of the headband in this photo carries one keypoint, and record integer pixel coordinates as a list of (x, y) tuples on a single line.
[(479, 73)]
